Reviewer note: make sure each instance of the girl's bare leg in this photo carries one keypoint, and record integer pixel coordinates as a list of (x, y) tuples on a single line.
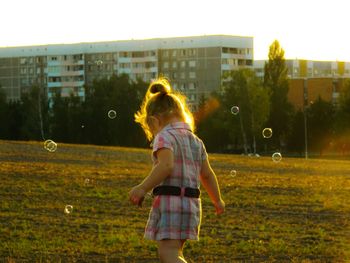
[(170, 251)]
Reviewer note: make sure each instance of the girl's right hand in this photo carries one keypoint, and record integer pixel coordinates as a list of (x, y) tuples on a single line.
[(220, 207)]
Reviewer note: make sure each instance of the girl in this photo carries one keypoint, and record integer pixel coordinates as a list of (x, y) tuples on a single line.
[(180, 162)]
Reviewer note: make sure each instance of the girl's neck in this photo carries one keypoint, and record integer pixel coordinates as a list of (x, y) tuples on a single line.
[(171, 120)]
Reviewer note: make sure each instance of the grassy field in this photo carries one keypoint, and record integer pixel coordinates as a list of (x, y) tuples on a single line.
[(292, 211)]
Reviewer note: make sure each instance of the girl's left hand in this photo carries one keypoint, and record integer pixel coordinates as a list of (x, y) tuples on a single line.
[(136, 195)]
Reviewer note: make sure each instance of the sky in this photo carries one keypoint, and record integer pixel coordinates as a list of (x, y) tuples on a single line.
[(306, 29)]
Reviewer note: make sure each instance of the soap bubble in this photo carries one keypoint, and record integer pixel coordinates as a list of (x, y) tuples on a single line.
[(267, 133), (68, 209), (50, 145), (233, 173), (235, 110), (112, 114), (276, 157), (87, 181)]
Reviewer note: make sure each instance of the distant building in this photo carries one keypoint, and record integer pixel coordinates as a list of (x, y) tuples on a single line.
[(309, 80), (195, 65)]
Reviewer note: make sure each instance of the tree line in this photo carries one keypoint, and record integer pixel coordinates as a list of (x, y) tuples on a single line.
[(260, 103)]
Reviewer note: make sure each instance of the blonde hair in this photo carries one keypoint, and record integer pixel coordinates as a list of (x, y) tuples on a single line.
[(160, 100)]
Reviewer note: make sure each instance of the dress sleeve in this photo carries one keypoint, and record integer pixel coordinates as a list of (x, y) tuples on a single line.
[(162, 140), (204, 152)]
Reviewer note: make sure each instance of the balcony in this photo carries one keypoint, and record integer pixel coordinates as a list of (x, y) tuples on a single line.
[(66, 73), (65, 84)]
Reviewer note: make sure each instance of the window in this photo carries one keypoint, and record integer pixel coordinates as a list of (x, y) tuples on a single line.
[(191, 86), (174, 75), (192, 52), (31, 70), (22, 61), (124, 65), (30, 60), (192, 63), (53, 58), (123, 54), (24, 81), (23, 70), (138, 54), (192, 75), (166, 65), (183, 64), (241, 62), (183, 52), (183, 86), (182, 75), (166, 53), (174, 86), (174, 53), (174, 64)]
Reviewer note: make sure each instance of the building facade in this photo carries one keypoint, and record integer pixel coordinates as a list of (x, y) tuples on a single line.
[(195, 65), (309, 80)]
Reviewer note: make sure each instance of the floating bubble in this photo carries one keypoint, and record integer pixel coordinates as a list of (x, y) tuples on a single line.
[(50, 145), (267, 133), (68, 209), (235, 110), (87, 181), (233, 173), (112, 114), (83, 126), (276, 157)]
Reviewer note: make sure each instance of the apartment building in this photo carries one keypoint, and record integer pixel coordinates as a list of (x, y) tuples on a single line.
[(301, 68), (309, 80), (195, 65)]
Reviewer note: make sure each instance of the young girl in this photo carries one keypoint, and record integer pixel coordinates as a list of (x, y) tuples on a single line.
[(180, 163)]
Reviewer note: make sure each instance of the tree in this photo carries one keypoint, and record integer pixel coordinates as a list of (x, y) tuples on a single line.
[(320, 125), (4, 128), (120, 94), (343, 111), (32, 104), (211, 121), (296, 138), (245, 90), (276, 83)]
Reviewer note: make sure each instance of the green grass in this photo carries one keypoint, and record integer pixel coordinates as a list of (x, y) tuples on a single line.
[(293, 211)]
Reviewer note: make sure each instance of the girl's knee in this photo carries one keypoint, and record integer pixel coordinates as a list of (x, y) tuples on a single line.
[(170, 251)]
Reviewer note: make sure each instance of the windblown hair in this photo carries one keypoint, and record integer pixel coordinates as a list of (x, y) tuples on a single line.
[(161, 101)]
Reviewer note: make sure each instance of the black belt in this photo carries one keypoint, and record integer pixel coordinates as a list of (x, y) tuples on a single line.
[(175, 190)]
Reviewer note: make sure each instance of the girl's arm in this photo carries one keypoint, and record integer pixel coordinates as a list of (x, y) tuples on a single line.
[(160, 171), (210, 183)]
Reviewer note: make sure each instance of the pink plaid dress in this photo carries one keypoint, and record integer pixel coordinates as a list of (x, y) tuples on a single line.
[(176, 217)]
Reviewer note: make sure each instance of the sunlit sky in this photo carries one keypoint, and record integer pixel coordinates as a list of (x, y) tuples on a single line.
[(306, 29)]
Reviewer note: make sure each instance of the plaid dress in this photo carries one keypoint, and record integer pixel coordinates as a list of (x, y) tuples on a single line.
[(176, 217)]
